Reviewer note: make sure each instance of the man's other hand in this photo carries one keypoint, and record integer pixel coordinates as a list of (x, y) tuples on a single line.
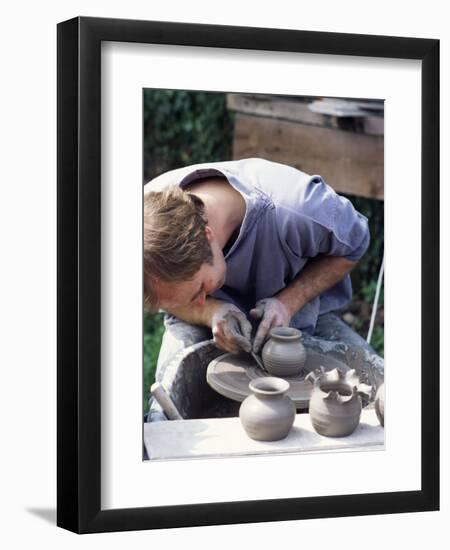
[(231, 329), (272, 313)]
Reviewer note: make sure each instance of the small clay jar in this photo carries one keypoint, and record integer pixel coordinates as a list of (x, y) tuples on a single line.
[(335, 404), (284, 354), (268, 413), (379, 404)]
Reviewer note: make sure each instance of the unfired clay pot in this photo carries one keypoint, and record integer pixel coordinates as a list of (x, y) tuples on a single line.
[(335, 404), (284, 354), (379, 404), (268, 413)]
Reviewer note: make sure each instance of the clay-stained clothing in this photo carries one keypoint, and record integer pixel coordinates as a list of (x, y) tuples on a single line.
[(290, 218)]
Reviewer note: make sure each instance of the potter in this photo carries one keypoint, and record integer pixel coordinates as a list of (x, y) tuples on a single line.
[(228, 244)]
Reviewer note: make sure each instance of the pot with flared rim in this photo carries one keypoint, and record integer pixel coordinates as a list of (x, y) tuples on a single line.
[(335, 405)]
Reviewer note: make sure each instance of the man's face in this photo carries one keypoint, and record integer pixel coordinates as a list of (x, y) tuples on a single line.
[(193, 292)]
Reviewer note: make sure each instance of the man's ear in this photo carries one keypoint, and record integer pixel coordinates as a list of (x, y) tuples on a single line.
[(209, 233)]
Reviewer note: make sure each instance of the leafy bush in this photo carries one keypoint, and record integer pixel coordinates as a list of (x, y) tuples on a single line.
[(184, 127), (369, 291), (368, 267), (378, 340)]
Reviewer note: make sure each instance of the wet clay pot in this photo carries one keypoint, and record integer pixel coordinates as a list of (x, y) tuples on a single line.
[(379, 404), (268, 413), (284, 354), (335, 404)]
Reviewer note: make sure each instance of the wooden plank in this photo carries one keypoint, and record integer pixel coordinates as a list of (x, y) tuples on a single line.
[(350, 163), (274, 107), (221, 437), (299, 111)]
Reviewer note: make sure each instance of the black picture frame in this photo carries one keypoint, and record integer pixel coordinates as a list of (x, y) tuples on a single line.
[(79, 280)]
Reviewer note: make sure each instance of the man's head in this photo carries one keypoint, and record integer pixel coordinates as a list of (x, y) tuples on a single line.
[(182, 260)]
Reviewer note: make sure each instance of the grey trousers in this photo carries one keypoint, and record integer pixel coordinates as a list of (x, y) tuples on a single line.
[(179, 335)]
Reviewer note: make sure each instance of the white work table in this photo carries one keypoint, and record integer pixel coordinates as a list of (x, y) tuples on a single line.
[(221, 437)]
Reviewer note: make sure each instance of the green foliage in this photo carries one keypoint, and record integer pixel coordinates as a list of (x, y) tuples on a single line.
[(365, 276), (153, 331), (378, 340), (361, 326), (184, 127), (368, 267), (369, 290)]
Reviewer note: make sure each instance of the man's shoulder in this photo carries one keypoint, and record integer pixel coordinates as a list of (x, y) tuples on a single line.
[(165, 180), (177, 175), (251, 169)]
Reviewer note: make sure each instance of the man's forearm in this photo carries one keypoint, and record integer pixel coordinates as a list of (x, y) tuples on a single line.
[(197, 315), (320, 274)]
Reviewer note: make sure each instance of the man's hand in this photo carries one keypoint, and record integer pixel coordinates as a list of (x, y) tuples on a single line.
[(320, 274), (231, 329), (273, 313)]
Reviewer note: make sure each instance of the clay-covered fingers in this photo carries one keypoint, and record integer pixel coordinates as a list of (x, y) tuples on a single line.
[(224, 343), (262, 333), (231, 330), (272, 314), (227, 336), (258, 311), (239, 330)]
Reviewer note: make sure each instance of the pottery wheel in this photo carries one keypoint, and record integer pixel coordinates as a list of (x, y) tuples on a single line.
[(230, 375)]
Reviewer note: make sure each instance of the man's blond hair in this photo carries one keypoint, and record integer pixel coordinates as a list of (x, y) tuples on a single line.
[(175, 242)]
